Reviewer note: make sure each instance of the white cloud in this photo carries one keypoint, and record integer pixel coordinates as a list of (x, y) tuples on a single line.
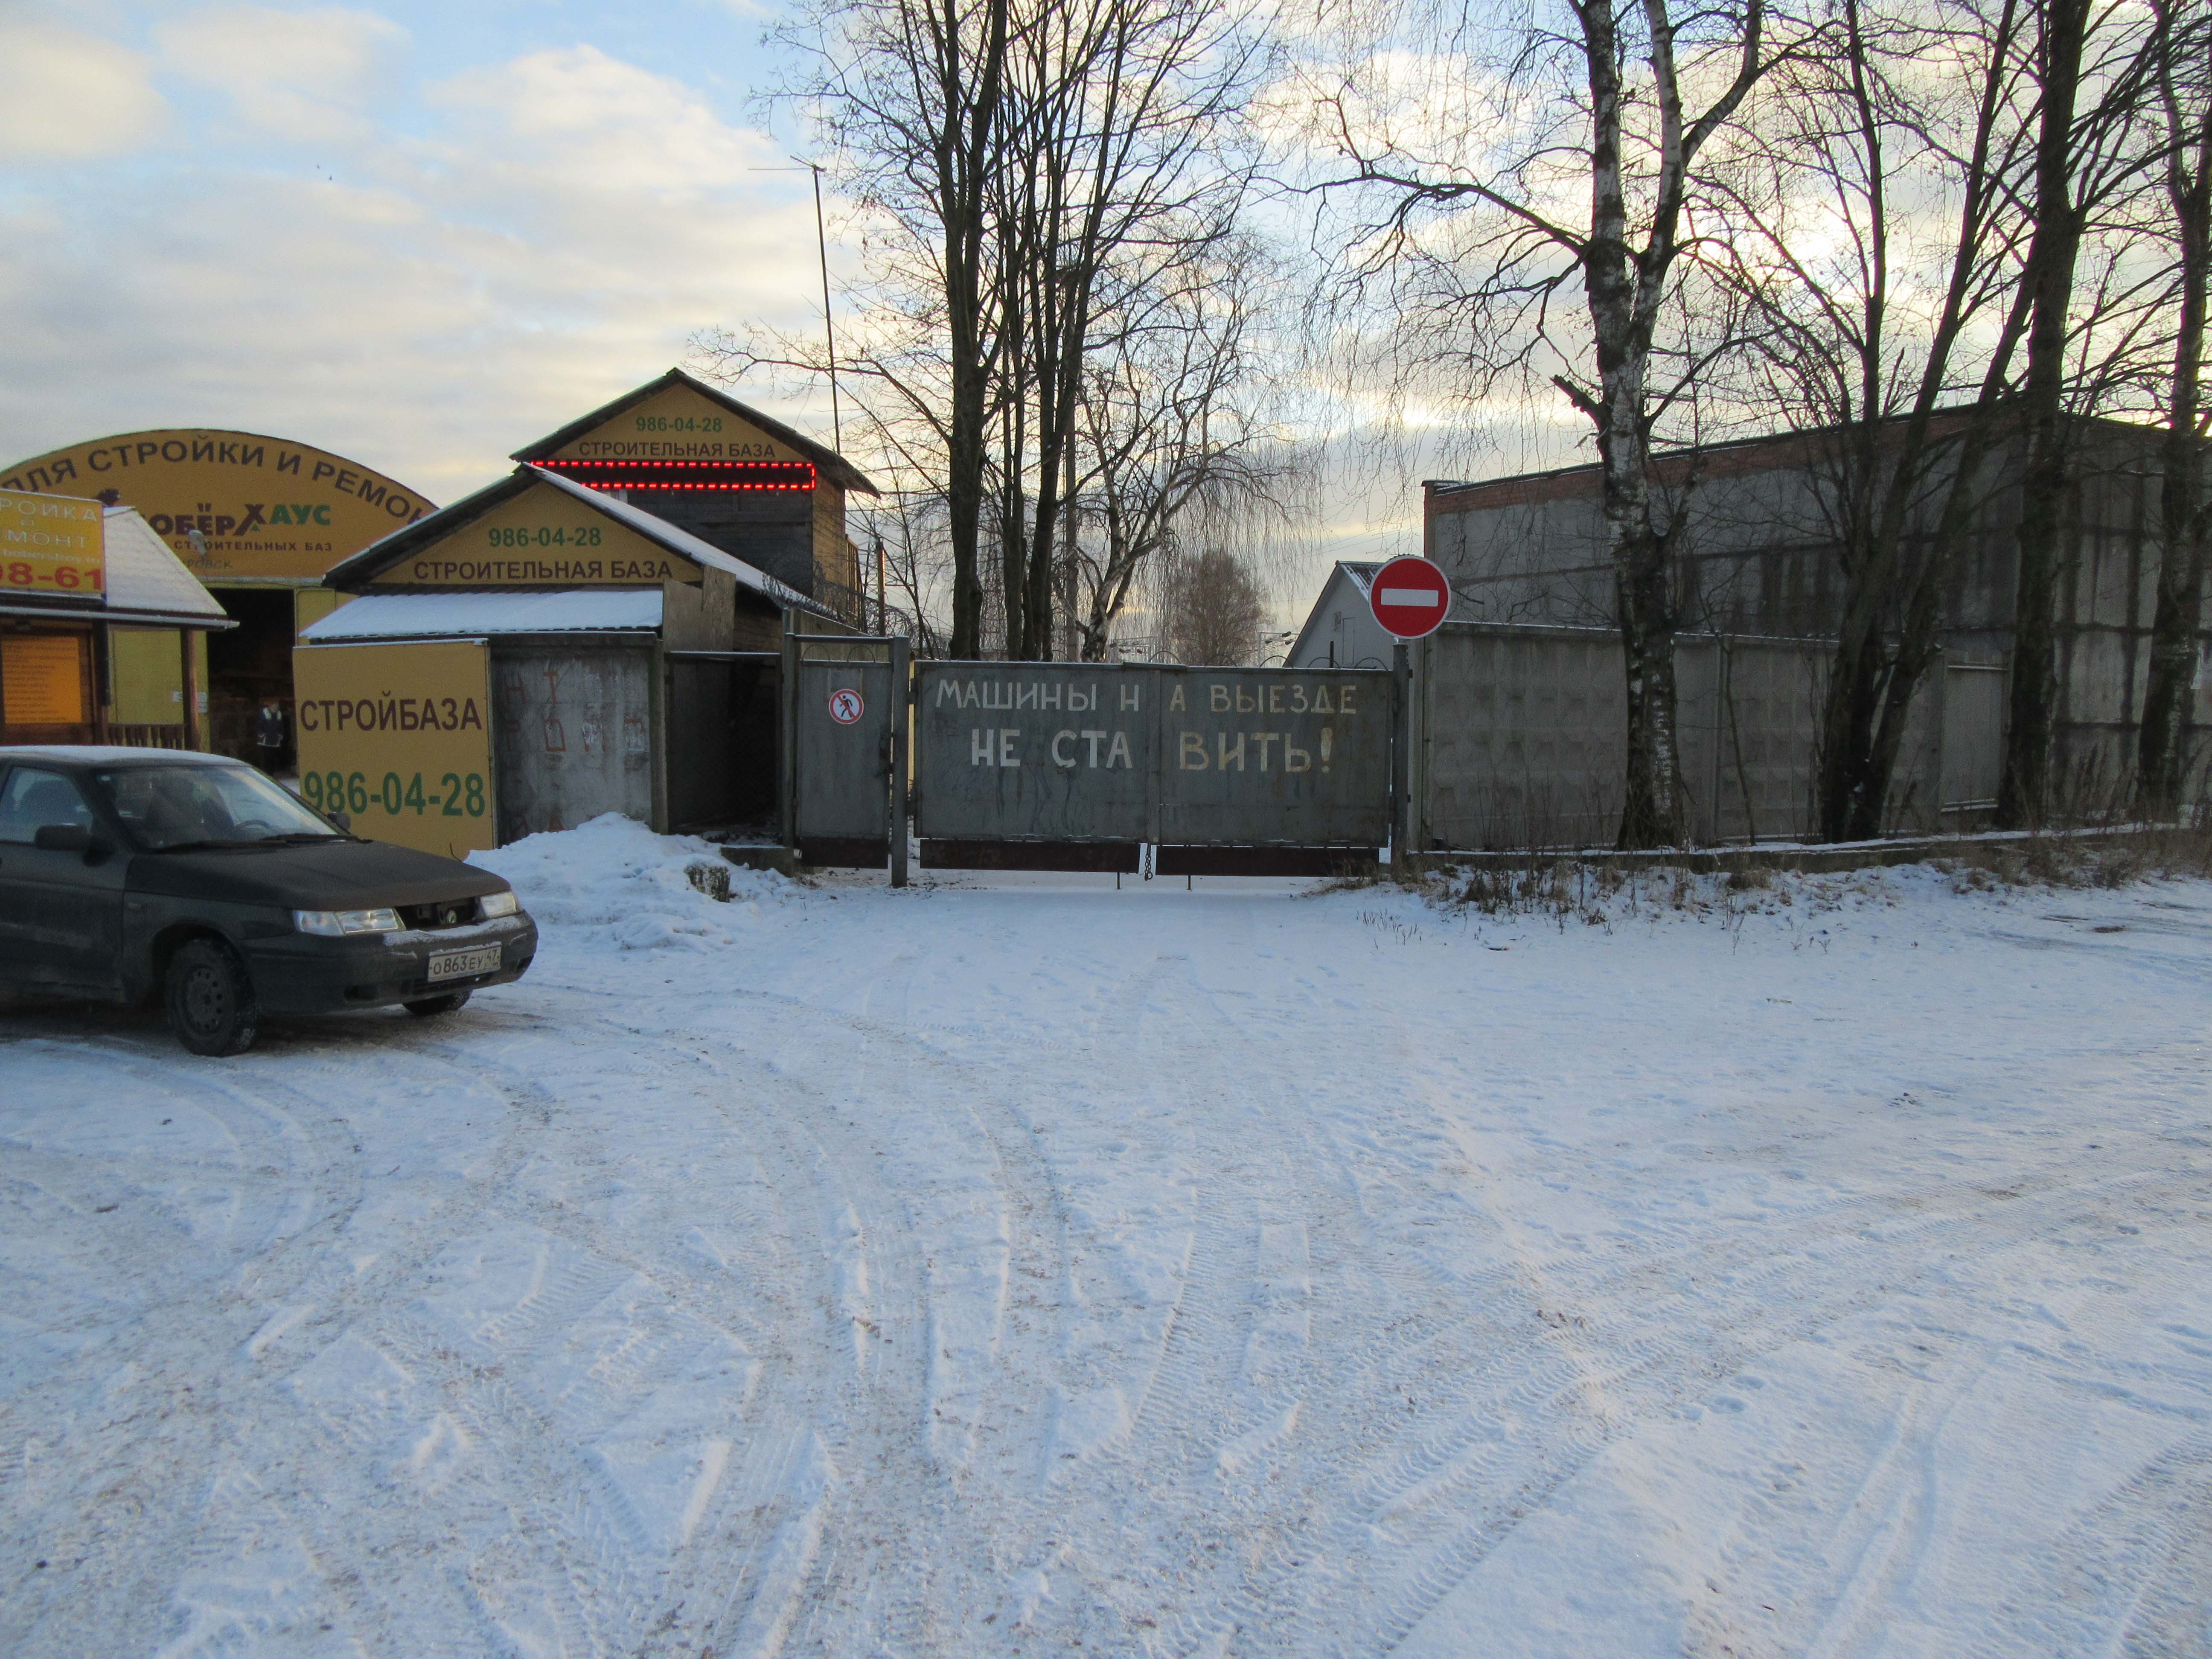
[(566, 222), (309, 76), (70, 95), (599, 124)]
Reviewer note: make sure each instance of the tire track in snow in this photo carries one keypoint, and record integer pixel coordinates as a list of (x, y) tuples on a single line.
[(934, 1599), (1480, 1491), (288, 1147)]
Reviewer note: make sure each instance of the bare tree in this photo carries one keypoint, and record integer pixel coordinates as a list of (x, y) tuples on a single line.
[(1213, 609), (2185, 101), (1013, 165), (1118, 172), (909, 96), (1172, 433), (1602, 108), (1823, 224), (2092, 70)]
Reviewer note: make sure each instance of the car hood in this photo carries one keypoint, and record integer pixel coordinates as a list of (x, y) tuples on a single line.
[(333, 875)]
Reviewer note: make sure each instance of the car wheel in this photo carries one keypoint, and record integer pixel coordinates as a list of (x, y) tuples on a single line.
[(210, 998), (427, 1006)]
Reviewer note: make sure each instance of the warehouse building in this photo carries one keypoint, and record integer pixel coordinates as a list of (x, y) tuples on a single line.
[(596, 632), (255, 520), (1759, 559), (97, 618)]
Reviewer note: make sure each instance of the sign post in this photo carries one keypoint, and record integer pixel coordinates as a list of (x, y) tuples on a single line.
[(1410, 599)]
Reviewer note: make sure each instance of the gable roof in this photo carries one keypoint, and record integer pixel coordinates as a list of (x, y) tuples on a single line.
[(144, 576), (145, 583), (1357, 574), (835, 467), (377, 557)]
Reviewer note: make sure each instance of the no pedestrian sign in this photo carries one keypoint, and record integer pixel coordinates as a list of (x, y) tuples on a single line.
[(846, 705), (1410, 597)]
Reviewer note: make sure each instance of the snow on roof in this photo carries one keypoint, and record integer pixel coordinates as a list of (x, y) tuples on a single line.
[(143, 575), (424, 616), (382, 554)]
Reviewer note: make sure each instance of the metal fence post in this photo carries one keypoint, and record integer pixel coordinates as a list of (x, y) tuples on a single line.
[(787, 698), (1401, 760), (901, 699)]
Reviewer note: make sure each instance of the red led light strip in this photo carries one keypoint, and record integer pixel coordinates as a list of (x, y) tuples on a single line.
[(685, 474)]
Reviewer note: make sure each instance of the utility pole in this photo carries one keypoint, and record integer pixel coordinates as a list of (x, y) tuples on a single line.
[(828, 327)]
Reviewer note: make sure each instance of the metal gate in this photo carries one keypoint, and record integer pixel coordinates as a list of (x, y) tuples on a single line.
[(845, 741), (573, 739), (1080, 766), (723, 721)]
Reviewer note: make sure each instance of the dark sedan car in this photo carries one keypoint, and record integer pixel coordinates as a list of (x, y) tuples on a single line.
[(126, 874)]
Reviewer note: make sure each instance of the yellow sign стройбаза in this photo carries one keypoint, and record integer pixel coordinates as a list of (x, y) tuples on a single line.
[(398, 737), (42, 680), (262, 508), (52, 544)]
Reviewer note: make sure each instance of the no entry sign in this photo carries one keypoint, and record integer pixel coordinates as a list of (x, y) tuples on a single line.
[(1410, 597)]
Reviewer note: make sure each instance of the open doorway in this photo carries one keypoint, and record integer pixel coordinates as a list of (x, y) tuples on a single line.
[(248, 665)]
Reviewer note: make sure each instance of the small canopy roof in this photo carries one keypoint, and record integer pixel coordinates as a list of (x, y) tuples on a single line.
[(441, 616), (834, 466), (377, 557), (146, 583)]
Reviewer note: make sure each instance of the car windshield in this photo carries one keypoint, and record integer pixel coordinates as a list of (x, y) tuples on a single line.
[(168, 807)]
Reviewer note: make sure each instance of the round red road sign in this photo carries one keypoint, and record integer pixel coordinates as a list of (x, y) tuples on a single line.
[(1410, 597), (847, 705)]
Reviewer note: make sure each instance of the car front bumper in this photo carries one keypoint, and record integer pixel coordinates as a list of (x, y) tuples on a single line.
[(302, 974)]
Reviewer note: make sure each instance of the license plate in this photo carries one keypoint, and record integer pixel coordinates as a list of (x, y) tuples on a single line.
[(462, 964)]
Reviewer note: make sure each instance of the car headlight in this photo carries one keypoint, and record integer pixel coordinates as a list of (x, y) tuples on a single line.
[(330, 924), (501, 904)]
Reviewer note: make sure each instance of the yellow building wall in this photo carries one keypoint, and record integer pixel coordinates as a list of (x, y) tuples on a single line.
[(149, 674), (311, 604), (837, 561)]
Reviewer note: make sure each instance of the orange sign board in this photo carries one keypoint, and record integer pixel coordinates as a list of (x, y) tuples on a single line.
[(542, 537), (52, 544), (42, 680), (233, 505), (676, 424)]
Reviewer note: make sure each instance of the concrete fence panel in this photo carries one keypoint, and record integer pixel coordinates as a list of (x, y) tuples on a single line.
[(1521, 738)]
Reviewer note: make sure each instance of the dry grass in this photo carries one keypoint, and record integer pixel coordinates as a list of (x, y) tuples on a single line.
[(2083, 861)]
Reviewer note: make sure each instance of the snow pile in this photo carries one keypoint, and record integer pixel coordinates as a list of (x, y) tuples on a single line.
[(635, 889)]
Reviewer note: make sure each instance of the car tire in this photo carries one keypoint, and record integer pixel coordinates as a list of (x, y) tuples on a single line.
[(430, 1008), (209, 996)]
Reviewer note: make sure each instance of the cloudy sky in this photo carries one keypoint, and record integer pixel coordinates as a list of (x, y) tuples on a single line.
[(418, 234)]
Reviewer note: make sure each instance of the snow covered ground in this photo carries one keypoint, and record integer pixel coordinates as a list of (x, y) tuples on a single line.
[(1020, 1268)]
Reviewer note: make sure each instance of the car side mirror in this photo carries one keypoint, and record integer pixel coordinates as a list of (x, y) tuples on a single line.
[(343, 820)]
